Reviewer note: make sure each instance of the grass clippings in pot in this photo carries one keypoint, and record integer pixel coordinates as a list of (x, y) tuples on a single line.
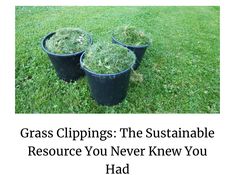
[(130, 35), (68, 41), (107, 58)]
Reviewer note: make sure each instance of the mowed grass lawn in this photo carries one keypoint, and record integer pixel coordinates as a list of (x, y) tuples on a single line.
[(181, 69)]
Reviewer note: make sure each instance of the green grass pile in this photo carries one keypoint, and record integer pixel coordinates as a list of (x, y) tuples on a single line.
[(68, 41), (130, 35), (108, 58)]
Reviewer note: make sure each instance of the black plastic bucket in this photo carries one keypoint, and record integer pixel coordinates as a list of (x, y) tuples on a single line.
[(107, 89), (138, 50), (67, 66)]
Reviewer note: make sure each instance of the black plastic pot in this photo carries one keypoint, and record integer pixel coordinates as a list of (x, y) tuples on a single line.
[(107, 89), (67, 66), (138, 50)]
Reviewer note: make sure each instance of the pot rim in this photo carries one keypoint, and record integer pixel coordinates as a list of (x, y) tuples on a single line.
[(99, 74), (119, 42), (43, 42)]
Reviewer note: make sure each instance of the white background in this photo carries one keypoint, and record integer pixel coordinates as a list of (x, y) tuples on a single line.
[(13, 149)]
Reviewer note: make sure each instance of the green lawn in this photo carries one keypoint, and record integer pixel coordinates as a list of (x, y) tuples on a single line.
[(181, 69)]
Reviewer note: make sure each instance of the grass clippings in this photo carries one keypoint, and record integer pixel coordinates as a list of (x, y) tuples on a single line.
[(130, 35), (67, 41), (108, 58)]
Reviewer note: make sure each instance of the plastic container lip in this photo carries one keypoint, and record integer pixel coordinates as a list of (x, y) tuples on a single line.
[(141, 46), (55, 54), (98, 74)]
